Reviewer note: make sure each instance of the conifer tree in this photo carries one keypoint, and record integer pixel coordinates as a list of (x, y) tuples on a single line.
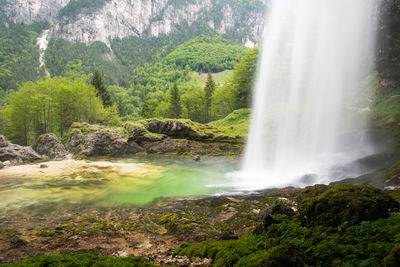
[(175, 103), (101, 89), (209, 91)]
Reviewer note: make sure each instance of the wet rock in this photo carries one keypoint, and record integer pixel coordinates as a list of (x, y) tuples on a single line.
[(49, 145), (196, 158), (43, 166), (7, 163), (1, 165), (174, 129), (16, 153)]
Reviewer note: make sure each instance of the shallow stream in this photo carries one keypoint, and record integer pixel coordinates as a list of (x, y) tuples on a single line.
[(112, 183)]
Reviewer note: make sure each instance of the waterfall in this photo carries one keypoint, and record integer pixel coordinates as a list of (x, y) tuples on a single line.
[(42, 42), (316, 62)]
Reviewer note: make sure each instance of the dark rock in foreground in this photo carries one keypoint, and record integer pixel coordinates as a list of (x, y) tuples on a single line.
[(16, 153)]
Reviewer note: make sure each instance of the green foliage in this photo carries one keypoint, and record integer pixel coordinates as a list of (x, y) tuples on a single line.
[(101, 89), (175, 103), (192, 102), (62, 56), (76, 7), (224, 101), (52, 105), (393, 259), (19, 55), (362, 203), (288, 242), (152, 79), (209, 91), (235, 124), (81, 260), (243, 78), (225, 253), (127, 103), (206, 54)]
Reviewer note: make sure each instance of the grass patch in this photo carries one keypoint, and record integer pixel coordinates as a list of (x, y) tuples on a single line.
[(235, 124), (80, 260)]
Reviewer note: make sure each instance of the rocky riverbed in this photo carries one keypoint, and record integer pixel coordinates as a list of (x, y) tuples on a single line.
[(152, 231)]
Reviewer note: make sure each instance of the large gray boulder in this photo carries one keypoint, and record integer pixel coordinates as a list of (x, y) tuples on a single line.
[(103, 141), (49, 145), (175, 129), (16, 153)]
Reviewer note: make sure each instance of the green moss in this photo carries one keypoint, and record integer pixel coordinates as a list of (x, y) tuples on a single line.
[(224, 253), (288, 243), (346, 203), (81, 260), (88, 218), (8, 232)]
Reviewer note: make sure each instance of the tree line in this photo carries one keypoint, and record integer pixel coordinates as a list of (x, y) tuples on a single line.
[(51, 105)]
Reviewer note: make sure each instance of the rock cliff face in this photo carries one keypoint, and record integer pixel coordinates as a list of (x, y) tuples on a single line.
[(29, 11), (122, 18), (388, 52)]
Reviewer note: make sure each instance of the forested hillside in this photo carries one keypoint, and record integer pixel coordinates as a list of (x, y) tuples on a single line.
[(191, 72)]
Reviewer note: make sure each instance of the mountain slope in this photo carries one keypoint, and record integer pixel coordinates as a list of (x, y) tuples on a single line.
[(102, 20)]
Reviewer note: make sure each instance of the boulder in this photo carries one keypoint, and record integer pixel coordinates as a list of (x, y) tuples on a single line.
[(49, 145), (175, 129), (1, 165), (16, 153), (102, 142)]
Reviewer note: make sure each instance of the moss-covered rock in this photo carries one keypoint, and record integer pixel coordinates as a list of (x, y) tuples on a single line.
[(346, 203), (49, 145), (162, 136)]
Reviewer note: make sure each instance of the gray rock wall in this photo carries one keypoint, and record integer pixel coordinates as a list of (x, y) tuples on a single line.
[(122, 18)]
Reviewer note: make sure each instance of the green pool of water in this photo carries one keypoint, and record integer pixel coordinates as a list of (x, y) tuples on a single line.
[(173, 176)]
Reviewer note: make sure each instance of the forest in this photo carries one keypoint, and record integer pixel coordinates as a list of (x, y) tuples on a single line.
[(51, 105)]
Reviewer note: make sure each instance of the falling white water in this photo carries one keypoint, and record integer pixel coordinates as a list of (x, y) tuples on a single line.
[(42, 42), (316, 57)]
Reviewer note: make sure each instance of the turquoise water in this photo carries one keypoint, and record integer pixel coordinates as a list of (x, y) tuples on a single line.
[(147, 178), (182, 178)]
